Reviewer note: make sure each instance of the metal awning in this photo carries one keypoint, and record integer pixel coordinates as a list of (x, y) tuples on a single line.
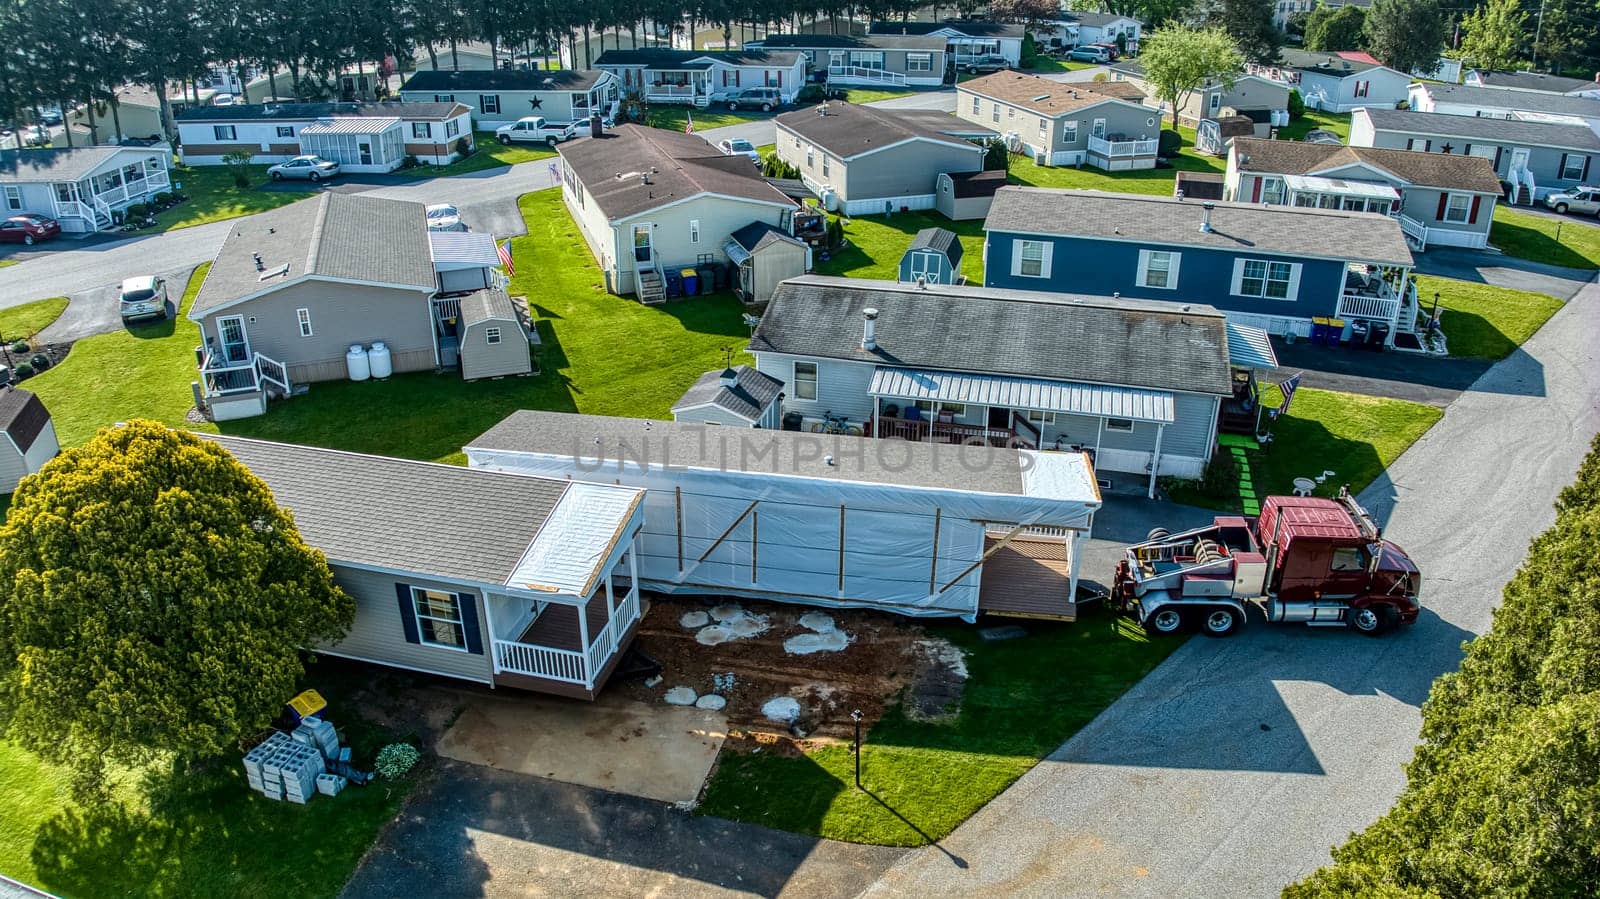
[(736, 253), (1314, 184), (1250, 347), (352, 125), (453, 250), (1036, 394)]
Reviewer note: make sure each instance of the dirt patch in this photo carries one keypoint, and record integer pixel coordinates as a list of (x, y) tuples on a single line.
[(55, 352), (941, 679)]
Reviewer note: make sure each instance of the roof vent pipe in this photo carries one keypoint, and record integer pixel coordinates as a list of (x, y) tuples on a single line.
[(869, 329), (1205, 217), (260, 266), (730, 378)]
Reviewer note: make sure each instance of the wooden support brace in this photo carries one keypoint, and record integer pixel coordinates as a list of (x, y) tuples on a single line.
[(933, 570), (985, 557), (713, 547)]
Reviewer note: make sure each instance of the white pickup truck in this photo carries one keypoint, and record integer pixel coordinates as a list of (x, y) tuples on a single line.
[(535, 129)]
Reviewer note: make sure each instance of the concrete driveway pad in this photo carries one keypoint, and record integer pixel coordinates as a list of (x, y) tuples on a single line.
[(616, 744)]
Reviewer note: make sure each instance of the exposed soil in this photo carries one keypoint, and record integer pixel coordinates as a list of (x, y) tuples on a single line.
[(885, 655), (56, 351)]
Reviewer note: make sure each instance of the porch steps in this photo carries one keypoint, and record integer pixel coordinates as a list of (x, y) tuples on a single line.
[(1240, 446), (652, 289)]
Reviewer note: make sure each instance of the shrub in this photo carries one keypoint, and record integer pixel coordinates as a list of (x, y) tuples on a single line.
[(995, 156), (40, 362), (162, 199), (395, 760), (20, 347), (835, 232), (410, 161), (1297, 105), (1171, 142), (464, 146), (136, 211), (24, 370), (811, 93), (1100, 77), (773, 167), (238, 163)]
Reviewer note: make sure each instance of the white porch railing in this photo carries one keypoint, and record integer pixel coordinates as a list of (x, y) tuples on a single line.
[(1521, 178), (1355, 305), (219, 377), (272, 372), (564, 665), (1413, 229), (866, 73), (1110, 148), (692, 94), (606, 642)]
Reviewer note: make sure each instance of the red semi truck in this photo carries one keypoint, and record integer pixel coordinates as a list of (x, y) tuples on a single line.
[(1319, 561)]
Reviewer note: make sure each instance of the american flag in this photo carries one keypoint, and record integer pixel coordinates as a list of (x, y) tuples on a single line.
[(1288, 388), (688, 122), (504, 250)]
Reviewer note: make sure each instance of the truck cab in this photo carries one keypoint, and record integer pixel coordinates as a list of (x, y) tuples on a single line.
[(1312, 560), (535, 129)]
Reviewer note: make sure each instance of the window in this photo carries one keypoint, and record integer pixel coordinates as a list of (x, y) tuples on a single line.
[(1572, 166), (1119, 424), (1270, 280), (452, 128), (491, 336), (489, 104), (286, 131), (867, 59), (1044, 127), (1272, 191), (422, 130), (810, 156), (1216, 102), (580, 101), (13, 197), (994, 115), (977, 106), (805, 380), (1419, 144), (1069, 132), (1158, 268), (303, 317), (1098, 129), (1032, 259), (1347, 558), (1361, 88), (444, 98), (1041, 418), (1458, 208), (438, 618), (929, 407), (919, 62), (826, 169), (223, 132), (694, 228)]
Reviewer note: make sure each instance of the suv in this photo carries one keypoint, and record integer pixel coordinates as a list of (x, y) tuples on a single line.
[(1582, 200), (985, 64), (1090, 54), (142, 297), (765, 99)]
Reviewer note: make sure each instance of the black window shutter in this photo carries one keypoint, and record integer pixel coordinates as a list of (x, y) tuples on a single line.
[(468, 604), (1585, 175), (408, 612), (1497, 152)]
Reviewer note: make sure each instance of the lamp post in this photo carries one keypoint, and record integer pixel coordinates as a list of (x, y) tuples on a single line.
[(856, 717), (1433, 317)]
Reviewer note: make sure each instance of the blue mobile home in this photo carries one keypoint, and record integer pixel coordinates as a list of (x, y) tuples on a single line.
[(1270, 267)]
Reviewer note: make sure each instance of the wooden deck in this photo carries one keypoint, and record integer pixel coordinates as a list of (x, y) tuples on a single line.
[(557, 627), (1029, 578)]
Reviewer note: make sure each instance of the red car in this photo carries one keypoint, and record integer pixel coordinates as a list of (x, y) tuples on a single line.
[(28, 229)]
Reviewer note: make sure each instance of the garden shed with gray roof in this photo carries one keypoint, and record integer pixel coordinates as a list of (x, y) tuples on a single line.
[(934, 257), (739, 396), (27, 436)]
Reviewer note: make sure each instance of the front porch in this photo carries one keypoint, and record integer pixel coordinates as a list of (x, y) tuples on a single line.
[(95, 202), (566, 644), (1117, 153), (1374, 298), (237, 383), (691, 87)]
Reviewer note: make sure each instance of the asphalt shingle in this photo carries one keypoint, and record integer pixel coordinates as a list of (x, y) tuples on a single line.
[(847, 130), (1285, 157), (679, 166), (1050, 98), (1559, 135), (471, 80), (751, 394), (1506, 98)]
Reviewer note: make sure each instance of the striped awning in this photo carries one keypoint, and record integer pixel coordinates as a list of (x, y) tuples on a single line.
[(1035, 394), (736, 254), (1250, 347)]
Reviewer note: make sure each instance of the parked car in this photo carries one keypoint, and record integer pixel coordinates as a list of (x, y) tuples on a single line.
[(308, 168), (36, 136), (1110, 48), (983, 65), (738, 146), (1582, 200), (445, 217), (50, 116), (142, 297), (28, 229), (535, 129), (1090, 54), (224, 100), (765, 99)]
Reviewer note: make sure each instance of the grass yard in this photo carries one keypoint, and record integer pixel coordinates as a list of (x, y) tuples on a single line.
[(213, 197), (491, 154), (1023, 698), (675, 117), (30, 318), (1337, 122), (1145, 181), (1483, 320), (864, 95), (1354, 436), (1046, 65), (4, 263), (1570, 243), (877, 242)]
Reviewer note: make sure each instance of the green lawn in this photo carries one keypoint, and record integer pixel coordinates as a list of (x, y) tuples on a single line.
[(491, 154), (675, 117), (1354, 436), (864, 95), (8, 262), (1023, 698), (1483, 320), (1571, 243), (1337, 122), (877, 242), (30, 318), (1158, 181), (213, 196), (1044, 65)]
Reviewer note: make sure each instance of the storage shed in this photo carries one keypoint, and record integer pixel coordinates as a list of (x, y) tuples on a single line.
[(826, 520), (766, 257), (358, 144), (30, 436), (740, 397), (961, 196), (493, 341), (934, 256), (1214, 136)]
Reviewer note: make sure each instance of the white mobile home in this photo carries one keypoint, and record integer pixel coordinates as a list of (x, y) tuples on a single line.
[(498, 97)]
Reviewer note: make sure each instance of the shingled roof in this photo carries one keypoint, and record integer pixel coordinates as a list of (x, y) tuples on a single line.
[(663, 58), (1506, 98), (1285, 157), (969, 29), (752, 392), (22, 416), (1067, 337), (847, 130), (613, 167), (852, 42), (503, 80), (1560, 135), (1050, 98)]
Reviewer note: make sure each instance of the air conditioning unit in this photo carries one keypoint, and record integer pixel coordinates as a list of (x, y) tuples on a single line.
[(1040, 157)]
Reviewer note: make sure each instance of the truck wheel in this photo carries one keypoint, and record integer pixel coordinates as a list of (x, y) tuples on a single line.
[(1561, 208), (551, 141), (1374, 620), (1222, 621), (1158, 534), (504, 139), (1165, 620)]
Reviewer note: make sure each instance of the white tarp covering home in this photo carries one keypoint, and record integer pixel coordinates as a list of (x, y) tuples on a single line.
[(815, 519)]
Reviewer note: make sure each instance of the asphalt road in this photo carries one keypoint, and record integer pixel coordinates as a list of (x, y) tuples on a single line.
[(1233, 767)]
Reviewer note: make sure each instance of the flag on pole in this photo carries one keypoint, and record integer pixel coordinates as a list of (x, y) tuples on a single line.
[(504, 251), (688, 122), (1288, 388)]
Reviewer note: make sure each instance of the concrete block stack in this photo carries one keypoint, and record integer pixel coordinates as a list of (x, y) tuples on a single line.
[(330, 784), (314, 731), (257, 757), (283, 768), (300, 768)]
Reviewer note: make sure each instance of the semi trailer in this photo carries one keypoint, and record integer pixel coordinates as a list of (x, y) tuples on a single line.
[(1314, 560)]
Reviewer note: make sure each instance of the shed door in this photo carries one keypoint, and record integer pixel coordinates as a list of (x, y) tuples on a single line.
[(925, 264)]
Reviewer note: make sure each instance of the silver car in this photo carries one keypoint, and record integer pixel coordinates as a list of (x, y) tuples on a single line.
[(307, 168), (1582, 200), (142, 297)]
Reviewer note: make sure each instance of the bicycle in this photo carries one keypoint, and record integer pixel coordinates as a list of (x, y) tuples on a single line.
[(835, 424)]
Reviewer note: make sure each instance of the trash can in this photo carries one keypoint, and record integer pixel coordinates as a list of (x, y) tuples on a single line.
[(1358, 333), (691, 282), (1377, 336), (674, 284), (708, 279), (792, 421)]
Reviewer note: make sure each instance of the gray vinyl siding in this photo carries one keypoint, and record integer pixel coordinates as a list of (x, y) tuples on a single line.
[(841, 386), (1127, 118), (1190, 433), (12, 466), (482, 359), (1543, 162), (378, 634), (893, 61), (341, 315), (908, 170)]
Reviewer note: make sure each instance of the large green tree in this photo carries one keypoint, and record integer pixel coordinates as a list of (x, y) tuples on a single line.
[(1178, 60), (1503, 794), (153, 599), (1407, 35), (1329, 30), (1495, 32), (1247, 22)]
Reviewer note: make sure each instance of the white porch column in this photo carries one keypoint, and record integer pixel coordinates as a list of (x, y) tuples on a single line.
[(877, 416), (1155, 460), (1099, 432), (633, 585), (611, 613), (583, 642), (1074, 543), (488, 620)]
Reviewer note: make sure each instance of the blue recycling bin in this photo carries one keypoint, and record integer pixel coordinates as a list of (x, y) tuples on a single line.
[(691, 282)]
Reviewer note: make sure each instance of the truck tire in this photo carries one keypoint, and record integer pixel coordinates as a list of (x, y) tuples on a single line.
[(1158, 534), (504, 139), (1221, 621), (551, 141), (1374, 620), (1165, 620)]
